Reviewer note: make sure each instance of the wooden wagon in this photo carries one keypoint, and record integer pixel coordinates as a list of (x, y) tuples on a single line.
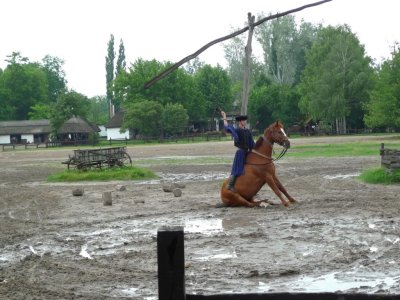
[(98, 158)]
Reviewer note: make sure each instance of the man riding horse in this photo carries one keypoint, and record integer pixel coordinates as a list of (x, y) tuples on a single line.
[(243, 140), (253, 165)]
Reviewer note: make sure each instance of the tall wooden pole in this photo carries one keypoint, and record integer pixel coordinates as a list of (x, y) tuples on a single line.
[(247, 66)]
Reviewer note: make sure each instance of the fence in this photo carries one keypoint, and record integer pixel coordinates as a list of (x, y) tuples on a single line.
[(25, 146), (171, 277), (6, 147), (390, 159)]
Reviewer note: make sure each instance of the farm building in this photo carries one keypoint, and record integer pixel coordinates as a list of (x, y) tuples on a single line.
[(39, 131), (21, 132), (114, 125)]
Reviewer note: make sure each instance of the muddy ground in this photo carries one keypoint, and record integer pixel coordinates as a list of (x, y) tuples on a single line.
[(343, 235)]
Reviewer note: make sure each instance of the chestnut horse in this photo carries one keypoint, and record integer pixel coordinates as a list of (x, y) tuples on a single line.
[(259, 169)]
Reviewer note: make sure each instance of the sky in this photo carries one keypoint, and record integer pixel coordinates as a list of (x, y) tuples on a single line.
[(78, 31)]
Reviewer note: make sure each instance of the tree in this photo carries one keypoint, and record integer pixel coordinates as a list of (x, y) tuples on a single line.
[(178, 87), (22, 85), (214, 86), (110, 73), (56, 82), (145, 117), (174, 119), (383, 108), (284, 47), (120, 68), (40, 112), (121, 63), (271, 102), (192, 66), (336, 80), (98, 113), (68, 105), (234, 54)]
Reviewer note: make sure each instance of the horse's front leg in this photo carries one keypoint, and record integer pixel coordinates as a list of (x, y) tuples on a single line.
[(283, 190), (271, 182)]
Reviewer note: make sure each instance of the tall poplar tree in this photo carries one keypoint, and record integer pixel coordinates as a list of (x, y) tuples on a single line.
[(121, 63), (110, 75), (119, 69)]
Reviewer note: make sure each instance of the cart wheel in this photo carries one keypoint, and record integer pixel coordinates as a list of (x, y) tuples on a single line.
[(82, 166), (125, 160)]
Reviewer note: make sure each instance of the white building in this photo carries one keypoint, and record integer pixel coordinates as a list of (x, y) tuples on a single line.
[(114, 126)]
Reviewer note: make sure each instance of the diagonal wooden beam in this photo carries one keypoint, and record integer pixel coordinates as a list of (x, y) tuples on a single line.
[(224, 38)]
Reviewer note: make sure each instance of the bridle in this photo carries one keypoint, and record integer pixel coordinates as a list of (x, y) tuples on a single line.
[(265, 140)]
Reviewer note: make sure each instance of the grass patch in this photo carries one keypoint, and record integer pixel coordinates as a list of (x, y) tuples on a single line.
[(122, 173), (338, 149), (380, 176)]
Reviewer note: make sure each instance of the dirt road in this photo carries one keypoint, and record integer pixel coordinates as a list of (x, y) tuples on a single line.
[(343, 235)]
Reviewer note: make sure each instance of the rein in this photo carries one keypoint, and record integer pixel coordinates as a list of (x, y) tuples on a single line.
[(283, 152)]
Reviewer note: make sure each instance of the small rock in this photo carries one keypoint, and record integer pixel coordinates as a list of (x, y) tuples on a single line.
[(177, 192), (120, 187), (179, 185), (168, 188), (77, 192), (138, 201)]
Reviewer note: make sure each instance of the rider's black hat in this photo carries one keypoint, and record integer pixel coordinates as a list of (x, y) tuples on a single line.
[(241, 118)]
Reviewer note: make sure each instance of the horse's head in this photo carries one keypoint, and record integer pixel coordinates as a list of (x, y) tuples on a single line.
[(276, 134)]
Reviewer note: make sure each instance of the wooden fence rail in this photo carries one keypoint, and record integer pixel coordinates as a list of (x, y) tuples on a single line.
[(171, 277)]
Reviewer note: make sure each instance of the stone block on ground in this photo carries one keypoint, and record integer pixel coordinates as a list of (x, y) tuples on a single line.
[(120, 187), (107, 198), (77, 192), (177, 192)]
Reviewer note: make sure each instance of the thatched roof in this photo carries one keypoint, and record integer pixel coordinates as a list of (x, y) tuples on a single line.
[(77, 125), (116, 121), (73, 125), (25, 127)]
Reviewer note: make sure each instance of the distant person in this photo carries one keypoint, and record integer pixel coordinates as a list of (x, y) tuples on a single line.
[(243, 140)]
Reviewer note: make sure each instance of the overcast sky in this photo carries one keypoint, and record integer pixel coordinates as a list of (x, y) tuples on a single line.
[(78, 31)]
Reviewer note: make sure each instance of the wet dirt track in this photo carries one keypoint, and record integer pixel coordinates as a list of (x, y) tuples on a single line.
[(343, 235)]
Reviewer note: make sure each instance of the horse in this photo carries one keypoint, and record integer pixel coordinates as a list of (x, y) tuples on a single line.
[(259, 169)]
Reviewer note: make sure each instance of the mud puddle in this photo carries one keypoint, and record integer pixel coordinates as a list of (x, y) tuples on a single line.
[(109, 239)]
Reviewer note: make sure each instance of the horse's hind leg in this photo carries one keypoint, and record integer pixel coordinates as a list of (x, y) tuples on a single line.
[(283, 190), (234, 199)]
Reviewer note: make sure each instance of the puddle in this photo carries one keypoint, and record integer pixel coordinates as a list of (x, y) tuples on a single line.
[(182, 177), (114, 237), (333, 282), (208, 254), (84, 252), (206, 227), (341, 176)]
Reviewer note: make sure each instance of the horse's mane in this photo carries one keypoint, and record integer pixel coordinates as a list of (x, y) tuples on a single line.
[(259, 142)]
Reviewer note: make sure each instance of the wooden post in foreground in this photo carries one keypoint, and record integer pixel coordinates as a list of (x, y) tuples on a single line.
[(171, 264)]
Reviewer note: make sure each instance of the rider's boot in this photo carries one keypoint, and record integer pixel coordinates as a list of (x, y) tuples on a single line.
[(231, 183)]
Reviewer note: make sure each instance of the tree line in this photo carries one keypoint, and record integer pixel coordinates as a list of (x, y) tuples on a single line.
[(307, 72)]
